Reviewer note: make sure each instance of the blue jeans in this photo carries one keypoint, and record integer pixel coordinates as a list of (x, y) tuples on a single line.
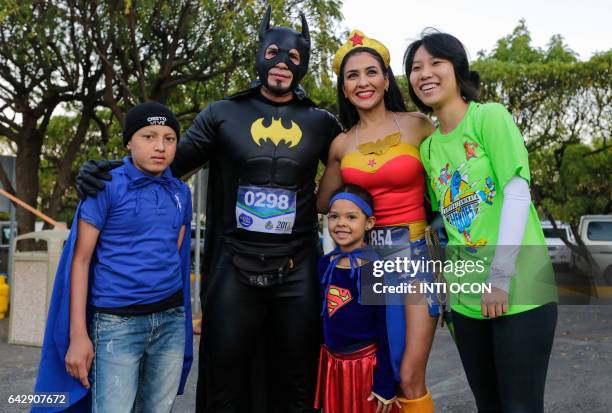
[(138, 361)]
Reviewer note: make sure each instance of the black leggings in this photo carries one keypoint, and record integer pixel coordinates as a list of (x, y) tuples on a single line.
[(237, 319), (506, 358)]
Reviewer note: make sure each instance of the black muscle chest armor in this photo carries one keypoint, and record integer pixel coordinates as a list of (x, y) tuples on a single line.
[(249, 140)]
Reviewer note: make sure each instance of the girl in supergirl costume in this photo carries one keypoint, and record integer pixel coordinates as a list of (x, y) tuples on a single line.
[(355, 372), (479, 174), (379, 151)]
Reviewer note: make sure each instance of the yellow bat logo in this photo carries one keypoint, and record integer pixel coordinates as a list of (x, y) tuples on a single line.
[(276, 132)]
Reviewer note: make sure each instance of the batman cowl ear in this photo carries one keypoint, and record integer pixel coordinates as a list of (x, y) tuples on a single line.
[(265, 22), (305, 31)]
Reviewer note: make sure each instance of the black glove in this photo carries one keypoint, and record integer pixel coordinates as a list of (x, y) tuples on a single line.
[(89, 180)]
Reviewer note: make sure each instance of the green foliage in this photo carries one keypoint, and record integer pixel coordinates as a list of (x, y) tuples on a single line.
[(100, 57), (516, 47), (563, 107), (96, 146), (557, 51), (573, 180)]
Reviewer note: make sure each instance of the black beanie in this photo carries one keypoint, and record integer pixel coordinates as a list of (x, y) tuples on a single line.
[(147, 114)]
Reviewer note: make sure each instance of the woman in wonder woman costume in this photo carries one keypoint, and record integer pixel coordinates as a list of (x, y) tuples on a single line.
[(380, 151)]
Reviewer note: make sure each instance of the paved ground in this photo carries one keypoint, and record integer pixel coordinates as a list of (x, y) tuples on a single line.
[(579, 379)]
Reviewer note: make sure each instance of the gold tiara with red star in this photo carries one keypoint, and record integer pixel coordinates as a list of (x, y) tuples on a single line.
[(358, 40)]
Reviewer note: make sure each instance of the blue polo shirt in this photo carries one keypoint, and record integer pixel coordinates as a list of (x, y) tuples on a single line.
[(139, 218)]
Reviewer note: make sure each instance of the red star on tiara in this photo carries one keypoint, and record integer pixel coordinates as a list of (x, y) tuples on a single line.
[(356, 39)]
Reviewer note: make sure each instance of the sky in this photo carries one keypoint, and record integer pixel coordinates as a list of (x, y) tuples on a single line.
[(586, 25)]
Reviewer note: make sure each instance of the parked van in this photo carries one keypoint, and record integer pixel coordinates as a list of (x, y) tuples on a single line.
[(558, 251), (596, 233)]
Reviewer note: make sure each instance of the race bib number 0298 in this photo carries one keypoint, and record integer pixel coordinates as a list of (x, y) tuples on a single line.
[(263, 209)]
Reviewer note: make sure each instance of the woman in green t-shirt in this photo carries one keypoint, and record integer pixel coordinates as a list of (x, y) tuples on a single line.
[(504, 304)]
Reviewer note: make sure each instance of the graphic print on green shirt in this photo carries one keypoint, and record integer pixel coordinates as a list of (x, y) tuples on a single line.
[(468, 169), (461, 201)]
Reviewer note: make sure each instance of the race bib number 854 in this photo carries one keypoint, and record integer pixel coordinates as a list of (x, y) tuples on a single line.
[(263, 209)]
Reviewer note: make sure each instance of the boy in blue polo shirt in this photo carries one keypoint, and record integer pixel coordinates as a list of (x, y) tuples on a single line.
[(127, 271)]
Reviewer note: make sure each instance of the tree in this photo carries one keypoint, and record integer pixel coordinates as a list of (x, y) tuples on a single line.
[(563, 107), (35, 78), (99, 141), (95, 59), (577, 184)]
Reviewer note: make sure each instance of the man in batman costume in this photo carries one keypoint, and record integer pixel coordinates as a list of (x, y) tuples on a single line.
[(263, 146)]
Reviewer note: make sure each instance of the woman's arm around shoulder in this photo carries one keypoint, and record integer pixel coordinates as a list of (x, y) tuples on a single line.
[(332, 178)]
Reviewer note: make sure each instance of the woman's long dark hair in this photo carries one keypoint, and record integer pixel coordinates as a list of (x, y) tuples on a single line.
[(447, 47), (393, 97)]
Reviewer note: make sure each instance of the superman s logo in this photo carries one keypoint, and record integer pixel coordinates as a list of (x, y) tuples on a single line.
[(336, 298), (276, 132)]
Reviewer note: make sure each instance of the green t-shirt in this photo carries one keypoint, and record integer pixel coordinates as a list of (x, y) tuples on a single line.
[(467, 171)]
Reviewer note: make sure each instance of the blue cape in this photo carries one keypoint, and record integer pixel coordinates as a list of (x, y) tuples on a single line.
[(52, 374), (395, 313)]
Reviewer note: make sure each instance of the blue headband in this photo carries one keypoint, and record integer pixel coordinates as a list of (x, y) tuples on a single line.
[(363, 205)]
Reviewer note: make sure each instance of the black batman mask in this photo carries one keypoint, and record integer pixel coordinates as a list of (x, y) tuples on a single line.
[(285, 39)]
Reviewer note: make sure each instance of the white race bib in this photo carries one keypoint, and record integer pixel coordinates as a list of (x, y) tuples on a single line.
[(264, 209), (389, 236)]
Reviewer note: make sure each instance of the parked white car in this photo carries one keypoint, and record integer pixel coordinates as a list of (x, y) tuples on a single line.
[(596, 233), (558, 251)]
